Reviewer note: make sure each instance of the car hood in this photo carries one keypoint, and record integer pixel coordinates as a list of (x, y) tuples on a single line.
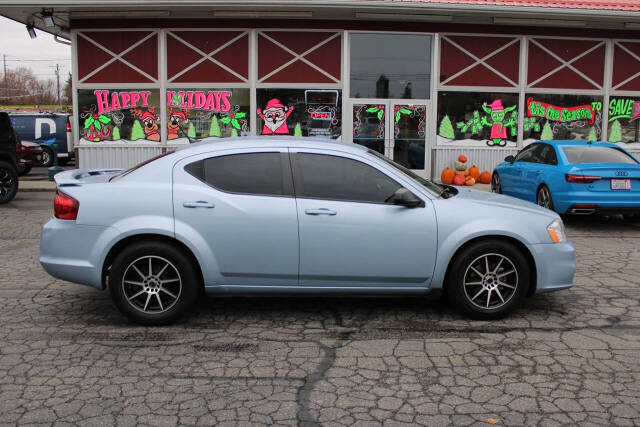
[(493, 199)]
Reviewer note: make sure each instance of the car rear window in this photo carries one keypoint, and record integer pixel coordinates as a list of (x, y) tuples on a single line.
[(594, 154)]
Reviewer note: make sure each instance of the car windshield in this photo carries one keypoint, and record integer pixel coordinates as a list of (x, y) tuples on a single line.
[(595, 154), (429, 185), (138, 166)]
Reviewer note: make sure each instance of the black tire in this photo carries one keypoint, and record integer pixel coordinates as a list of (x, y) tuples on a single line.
[(47, 156), (63, 161), (496, 186), (471, 298), (543, 197), (8, 182), (164, 303), (24, 169)]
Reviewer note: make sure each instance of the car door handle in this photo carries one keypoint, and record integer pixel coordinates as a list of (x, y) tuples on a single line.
[(321, 211), (198, 204)]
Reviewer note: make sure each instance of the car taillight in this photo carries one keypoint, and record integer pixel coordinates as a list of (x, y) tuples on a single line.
[(581, 179), (65, 206), (68, 127)]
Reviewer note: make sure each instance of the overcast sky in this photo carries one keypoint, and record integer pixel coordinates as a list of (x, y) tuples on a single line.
[(20, 49)]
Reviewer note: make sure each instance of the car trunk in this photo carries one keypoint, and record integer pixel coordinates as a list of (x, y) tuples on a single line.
[(612, 175)]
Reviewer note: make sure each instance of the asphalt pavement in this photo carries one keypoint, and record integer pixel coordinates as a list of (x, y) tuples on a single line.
[(68, 357)]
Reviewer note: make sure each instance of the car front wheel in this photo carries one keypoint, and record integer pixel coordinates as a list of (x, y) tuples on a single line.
[(496, 187), (488, 279), (8, 182), (153, 283)]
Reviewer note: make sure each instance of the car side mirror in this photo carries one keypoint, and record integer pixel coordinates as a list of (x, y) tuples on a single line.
[(510, 159), (404, 197)]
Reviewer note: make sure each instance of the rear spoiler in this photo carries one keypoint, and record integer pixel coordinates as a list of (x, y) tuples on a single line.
[(77, 177)]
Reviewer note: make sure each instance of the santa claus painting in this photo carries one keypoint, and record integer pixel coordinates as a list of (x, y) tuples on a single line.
[(275, 118)]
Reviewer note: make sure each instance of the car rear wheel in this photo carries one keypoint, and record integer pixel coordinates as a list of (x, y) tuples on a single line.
[(496, 187), (488, 279), (47, 156), (153, 283), (8, 182), (543, 197)]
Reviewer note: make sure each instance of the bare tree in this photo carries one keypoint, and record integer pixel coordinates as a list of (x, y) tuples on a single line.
[(21, 87)]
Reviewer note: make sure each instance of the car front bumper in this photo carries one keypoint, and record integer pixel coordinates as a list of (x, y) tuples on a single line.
[(555, 266), (73, 252)]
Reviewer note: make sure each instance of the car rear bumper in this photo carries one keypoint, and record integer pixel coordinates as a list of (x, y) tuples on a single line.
[(555, 266), (602, 201), (73, 252)]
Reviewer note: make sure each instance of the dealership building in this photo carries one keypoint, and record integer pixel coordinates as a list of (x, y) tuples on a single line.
[(421, 81)]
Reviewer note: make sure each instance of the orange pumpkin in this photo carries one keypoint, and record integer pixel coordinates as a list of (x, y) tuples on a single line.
[(485, 177), (459, 180), (462, 158), (447, 176), (470, 181), (474, 172)]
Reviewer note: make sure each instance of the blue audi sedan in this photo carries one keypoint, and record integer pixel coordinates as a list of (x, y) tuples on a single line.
[(295, 216), (572, 177)]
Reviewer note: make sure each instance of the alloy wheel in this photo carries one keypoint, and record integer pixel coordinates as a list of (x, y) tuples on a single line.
[(544, 198), (6, 183), (490, 281), (152, 284), (495, 184)]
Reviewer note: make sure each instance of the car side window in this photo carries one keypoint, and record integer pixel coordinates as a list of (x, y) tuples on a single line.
[(527, 153), (547, 155), (248, 173), (320, 176)]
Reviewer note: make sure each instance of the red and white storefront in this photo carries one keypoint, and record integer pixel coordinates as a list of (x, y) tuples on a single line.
[(419, 92)]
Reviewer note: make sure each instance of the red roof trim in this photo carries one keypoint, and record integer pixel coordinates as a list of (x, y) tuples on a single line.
[(626, 5)]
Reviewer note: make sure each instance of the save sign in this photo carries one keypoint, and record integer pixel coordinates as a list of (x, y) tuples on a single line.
[(560, 114)]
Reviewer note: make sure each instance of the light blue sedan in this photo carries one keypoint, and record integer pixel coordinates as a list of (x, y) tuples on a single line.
[(295, 216)]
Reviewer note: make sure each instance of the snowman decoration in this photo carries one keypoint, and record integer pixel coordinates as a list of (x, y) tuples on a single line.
[(275, 117)]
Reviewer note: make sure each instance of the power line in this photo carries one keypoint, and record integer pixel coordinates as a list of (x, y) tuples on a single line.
[(39, 60)]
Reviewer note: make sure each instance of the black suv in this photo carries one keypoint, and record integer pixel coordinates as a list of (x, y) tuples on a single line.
[(9, 150)]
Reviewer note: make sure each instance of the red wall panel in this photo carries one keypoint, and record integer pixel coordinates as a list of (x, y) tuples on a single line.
[(505, 61), (626, 65), (143, 56), (327, 56)]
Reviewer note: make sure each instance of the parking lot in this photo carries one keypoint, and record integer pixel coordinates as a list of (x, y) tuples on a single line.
[(570, 357)]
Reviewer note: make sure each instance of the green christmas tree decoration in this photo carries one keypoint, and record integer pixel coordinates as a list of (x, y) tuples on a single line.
[(592, 135), (298, 130), (616, 132), (547, 133), (446, 128), (115, 134), (136, 131), (234, 133), (191, 133), (214, 129)]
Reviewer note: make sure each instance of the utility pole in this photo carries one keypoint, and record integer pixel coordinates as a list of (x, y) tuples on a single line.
[(58, 81), (6, 89)]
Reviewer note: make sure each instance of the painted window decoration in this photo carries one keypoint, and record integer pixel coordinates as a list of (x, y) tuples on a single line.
[(369, 125), (193, 114), (409, 135), (299, 112), (477, 119), (624, 120), (550, 117), (119, 115)]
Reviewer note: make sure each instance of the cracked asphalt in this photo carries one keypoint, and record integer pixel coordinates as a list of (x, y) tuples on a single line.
[(68, 357)]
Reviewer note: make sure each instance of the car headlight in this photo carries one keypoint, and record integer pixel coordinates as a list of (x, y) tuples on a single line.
[(556, 231)]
